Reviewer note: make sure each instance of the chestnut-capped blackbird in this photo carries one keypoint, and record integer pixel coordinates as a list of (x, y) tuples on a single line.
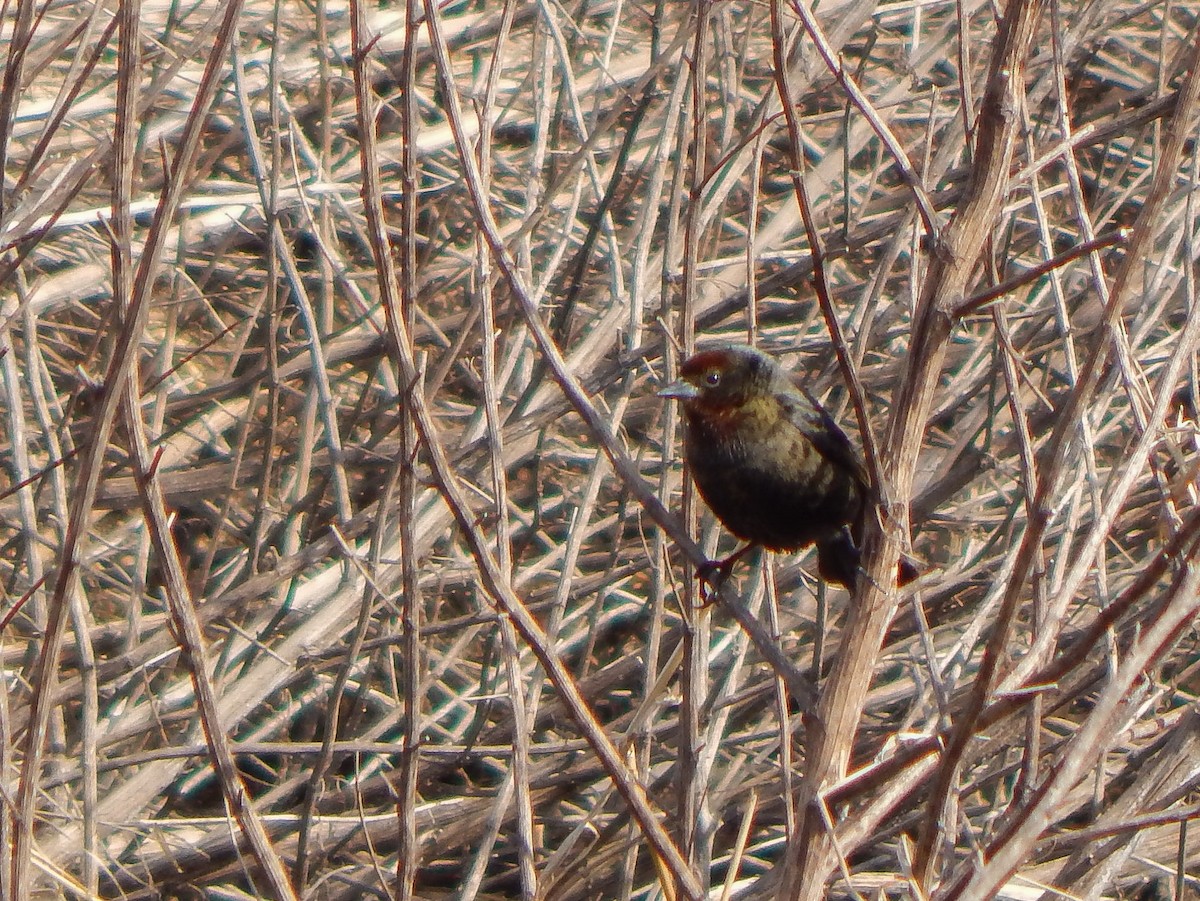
[(770, 462)]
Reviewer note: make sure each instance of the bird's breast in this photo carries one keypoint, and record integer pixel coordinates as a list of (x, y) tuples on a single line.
[(768, 483)]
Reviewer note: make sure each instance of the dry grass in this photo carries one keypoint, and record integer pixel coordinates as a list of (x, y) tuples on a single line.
[(340, 532)]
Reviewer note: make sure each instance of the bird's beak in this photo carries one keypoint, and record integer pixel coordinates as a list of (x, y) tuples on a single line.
[(680, 390)]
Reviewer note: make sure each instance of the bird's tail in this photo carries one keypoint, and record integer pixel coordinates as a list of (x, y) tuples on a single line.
[(839, 560)]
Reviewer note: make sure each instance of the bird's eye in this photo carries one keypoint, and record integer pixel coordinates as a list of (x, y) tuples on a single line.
[(712, 378)]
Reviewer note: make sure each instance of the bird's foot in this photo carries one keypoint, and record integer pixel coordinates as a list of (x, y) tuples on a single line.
[(712, 575)]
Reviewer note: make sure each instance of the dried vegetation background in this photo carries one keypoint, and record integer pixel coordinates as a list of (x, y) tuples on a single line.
[(344, 543)]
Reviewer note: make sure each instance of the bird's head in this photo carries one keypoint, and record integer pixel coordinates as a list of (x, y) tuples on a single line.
[(723, 379)]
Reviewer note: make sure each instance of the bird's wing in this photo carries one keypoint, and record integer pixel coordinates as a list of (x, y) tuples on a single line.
[(826, 435)]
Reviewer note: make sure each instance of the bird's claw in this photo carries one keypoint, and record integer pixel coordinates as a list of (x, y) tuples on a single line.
[(712, 576)]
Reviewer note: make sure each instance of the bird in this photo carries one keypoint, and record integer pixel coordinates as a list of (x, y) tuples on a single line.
[(770, 462)]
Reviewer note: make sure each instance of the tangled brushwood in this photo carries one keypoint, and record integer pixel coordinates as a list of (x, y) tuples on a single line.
[(348, 550)]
